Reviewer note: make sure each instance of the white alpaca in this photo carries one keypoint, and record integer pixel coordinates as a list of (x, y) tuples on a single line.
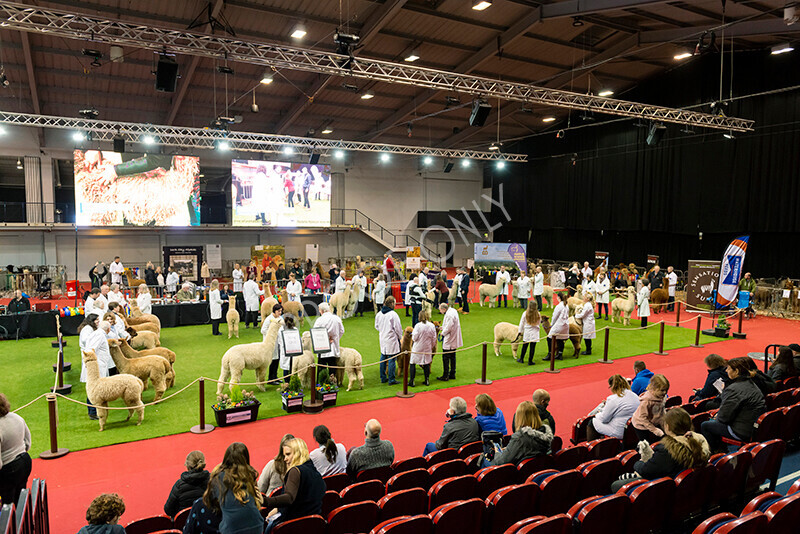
[(143, 340), (232, 318), (488, 290), (547, 296), (256, 356), (155, 368), (506, 332), (350, 359), (620, 306), (427, 305), (268, 304), (101, 390), (340, 301), (515, 293)]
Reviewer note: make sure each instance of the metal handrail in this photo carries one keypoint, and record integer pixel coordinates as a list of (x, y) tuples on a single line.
[(396, 240)]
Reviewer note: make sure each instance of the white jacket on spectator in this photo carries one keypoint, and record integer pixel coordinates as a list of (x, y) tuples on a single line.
[(611, 418), (238, 280)]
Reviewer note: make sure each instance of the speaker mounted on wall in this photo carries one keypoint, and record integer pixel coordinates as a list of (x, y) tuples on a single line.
[(313, 159), (166, 74), (480, 111), (119, 145), (655, 133)]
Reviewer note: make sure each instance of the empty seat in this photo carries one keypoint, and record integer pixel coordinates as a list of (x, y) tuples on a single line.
[(180, 518), (533, 465), (558, 524), (730, 524), (493, 478), (371, 490), (416, 524), (509, 505), (450, 468), (559, 491), (677, 400), (336, 482), (462, 517), (600, 515), (556, 445), (603, 448), (628, 459), (444, 455), (146, 525), (381, 474), (651, 503), (699, 418), (629, 437), (571, 457), (415, 478), (451, 490), (404, 502), (417, 462), (330, 502), (310, 524), (766, 464), (784, 514), (516, 527), (476, 447), (790, 428), (356, 518), (780, 399), (692, 492), (732, 470), (598, 476), (579, 429)]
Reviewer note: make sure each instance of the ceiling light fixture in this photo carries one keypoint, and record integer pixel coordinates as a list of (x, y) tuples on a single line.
[(494, 146), (327, 131), (577, 22), (338, 154), (501, 164), (148, 140), (605, 92), (367, 95), (78, 136), (480, 5), (682, 55), (412, 56), (384, 157), (781, 49), (729, 135), (266, 78), (549, 119), (19, 164), (288, 150), (427, 160), (465, 163), (223, 146), (299, 32)]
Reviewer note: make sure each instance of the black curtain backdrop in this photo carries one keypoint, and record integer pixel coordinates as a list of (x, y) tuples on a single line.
[(604, 188)]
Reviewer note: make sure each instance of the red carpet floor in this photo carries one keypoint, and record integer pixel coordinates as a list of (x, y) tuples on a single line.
[(143, 472)]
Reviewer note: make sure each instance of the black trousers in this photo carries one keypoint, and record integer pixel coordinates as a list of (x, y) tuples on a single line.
[(532, 345), (14, 477), (644, 321), (538, 301), (671, 303), (503, 296), (601, 306), (449, 364), (464, 302), (215, 326), (643, 435), (272, 374), (412, 372), (251, 316)]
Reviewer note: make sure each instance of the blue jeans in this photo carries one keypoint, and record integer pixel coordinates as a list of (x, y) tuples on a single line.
[(272, 522), (392, 363), (429, 447)]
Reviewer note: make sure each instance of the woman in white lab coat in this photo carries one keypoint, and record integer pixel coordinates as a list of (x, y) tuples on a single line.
[(359, 286), (341, 282), (529, 325), (379, 292), (601, 288), (215, 307), (423, 346), (586, 315), (238, 278), (524, 291), (559, 330), (251, 301), (294, 288), (643, 301), (144, 300)]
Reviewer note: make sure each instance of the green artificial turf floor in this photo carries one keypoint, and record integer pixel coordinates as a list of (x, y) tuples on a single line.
[(27, 373)]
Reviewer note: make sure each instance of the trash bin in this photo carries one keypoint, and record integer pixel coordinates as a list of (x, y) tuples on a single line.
[(72, 289)]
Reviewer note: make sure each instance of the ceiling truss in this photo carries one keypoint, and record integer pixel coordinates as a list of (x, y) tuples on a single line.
[(82, 27)]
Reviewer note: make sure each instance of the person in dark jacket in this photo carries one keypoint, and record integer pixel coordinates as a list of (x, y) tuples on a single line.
[(303, 487), (97, 274), (656, 278), (203, 519), (762, 380), (571, 279), (150, 276), (541, 399), (489, 416), (459, 430), (796, 353), (742, 404), (532, 438), (716, 371), (642, 378), (190, 486), (677, 450), (19, 303), (463, 291), (783, 366), (282, 275)]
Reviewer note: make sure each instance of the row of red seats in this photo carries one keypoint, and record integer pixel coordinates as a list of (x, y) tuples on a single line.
[(30, 514), (769, 510)]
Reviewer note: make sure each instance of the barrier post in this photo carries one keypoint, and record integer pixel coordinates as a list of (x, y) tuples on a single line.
[(66, 389), (202, 428), (313, 405), (740, 334), (552, 357), (55, 451), (605, 349), (697, 344), (405, 394), (483, 380), (678, 314), (661, 341)]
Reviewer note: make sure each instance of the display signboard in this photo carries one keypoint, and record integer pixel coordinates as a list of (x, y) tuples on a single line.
[(652, 261), (491, 256), (185, 261), (601, 259), (703, 279)]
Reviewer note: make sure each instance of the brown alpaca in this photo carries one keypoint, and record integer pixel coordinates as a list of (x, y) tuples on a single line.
[(575, 333), (295, 308), (101, 390), (143, 339), (155, 368), (405, 351), (658, 300), (232, 318), (130, 352), (146, 327)]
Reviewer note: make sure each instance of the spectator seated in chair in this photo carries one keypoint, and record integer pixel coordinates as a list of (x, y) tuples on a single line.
[(190, 486), (642, 378), (783, 367), (459, 429), (489, 416), (716, 375), (103, 514), (375, 452), (611, 415), (532, 438)]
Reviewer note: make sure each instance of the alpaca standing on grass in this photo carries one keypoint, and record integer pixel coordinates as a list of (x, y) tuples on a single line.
[(488, 290), (268, 304), (350, 359), (340, 301), (290, 306), (101, 390), (137, 317), (130, 352), (506, 332), (256, 356), (658, 300), (155, 368), (232, 318), (145, 327), (577, 301), (547, 297), (620, 306), (143, 339)]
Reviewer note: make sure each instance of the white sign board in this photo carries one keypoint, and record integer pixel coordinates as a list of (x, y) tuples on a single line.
[(214, 256), (292, 343), (320, 340)]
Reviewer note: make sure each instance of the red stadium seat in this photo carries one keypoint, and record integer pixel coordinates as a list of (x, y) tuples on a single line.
[(600, 449), (790, 428), (336, 482), (415, 478), (781, 399), (43, 507), (699, 418), (147, 525), (450, 468), (629, 437), (556, 445), (729, 524), (598, 476), (509, 505), (559, 491), (533, 465), (371, 490), (784, 514), (381, 474), (600, 515), (310, 524), (473, 463), (794, 488), (766, 427), (651, 503), (417, 462), (559, 524), (330, 502), (579, 429), (766, 464), (444, 455), (476, 447), (417, 524), (356, 518), (732, 470), (25, 513), (673, 401), (404, 502), (571, 457), (461, 517), (493, 478), (451, 490), (628, 459), (516, 527), (180, 518), (8, 519), (693, 492)]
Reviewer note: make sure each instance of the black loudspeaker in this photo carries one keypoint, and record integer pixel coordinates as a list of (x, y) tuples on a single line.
[(119, 145), (655, 133), (313, 159), (166, 74), (448, 166), (480, 110)]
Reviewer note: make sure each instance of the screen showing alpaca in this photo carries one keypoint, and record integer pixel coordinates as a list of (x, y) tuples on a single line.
[(272, 193), (125, 189)]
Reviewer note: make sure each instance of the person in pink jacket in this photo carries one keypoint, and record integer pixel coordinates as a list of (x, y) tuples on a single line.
[(313, 282), (648, 420)]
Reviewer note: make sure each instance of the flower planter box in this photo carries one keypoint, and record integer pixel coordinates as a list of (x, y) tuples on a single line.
[(292, 404), (721, 332), (240, 414), (328, 398)]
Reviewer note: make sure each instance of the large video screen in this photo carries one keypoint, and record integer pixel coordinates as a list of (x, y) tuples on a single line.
[(126, 189), (272, 193)]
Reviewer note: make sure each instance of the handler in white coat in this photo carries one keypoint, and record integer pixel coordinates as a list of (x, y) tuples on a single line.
[(422, 348), (451, 340), (643, 301), (341, 282), (379, 292), (215, 307), (387, 323), (502, 279), (586, 315), (538, 287), (97, 341), (524, 290), (289, 323), (559, 329), (529, 325), (251, 303), (172, 281), (359, 287), (332, 323), (238, 278), (144, 300), (601, 288), (294, 289)]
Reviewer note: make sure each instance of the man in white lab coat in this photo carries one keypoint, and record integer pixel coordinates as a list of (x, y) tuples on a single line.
[(333, 324), (390, 331), (251, 301), (502, 279), (116, 269), (451, 340), (172, 281)]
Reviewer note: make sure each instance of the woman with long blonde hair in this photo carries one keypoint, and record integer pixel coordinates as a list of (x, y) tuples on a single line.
[(273, 473), (233, 490), (531, 437), (529, 330)]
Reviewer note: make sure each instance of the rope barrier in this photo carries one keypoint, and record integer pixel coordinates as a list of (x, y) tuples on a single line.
[(159, 401)]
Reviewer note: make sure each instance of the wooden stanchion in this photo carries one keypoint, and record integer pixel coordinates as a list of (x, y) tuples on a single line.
[(697, 344), (678, 314), (605, 349), (55, 451), (483, 380), (313, 405), (405, 394), (203, 427), (552, 357), (740, 334), (661, 341)]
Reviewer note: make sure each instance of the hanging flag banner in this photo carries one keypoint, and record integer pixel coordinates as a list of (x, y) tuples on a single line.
[(730, 272)]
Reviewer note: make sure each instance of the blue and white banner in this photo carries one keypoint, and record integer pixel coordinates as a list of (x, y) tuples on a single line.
[(731, 271)]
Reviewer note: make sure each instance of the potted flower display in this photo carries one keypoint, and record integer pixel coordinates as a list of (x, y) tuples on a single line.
[(239, 407), (327, 388), (292, 395), (722, 328)]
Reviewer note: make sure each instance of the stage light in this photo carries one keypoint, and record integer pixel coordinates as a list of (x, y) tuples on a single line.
[(413, 56), (729, 135), (78, 136), (223, 146), (384, 157), (577, 22), (682, 55), (465, 163), (338, 154), (501, 164), (266, 78), (781, 49), (327, 131), (2, 131), (288, 150), (427, 160), (299, 32), (549, 119), (495, 146), (367, 95), (148, 139), (4, 79), (605, 92), (480, 5), (19, 164)]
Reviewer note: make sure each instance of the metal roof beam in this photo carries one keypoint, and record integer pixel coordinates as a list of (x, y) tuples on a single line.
[(748, 28)]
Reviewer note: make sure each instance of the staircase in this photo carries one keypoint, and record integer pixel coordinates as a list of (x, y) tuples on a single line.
[(390, 240)]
